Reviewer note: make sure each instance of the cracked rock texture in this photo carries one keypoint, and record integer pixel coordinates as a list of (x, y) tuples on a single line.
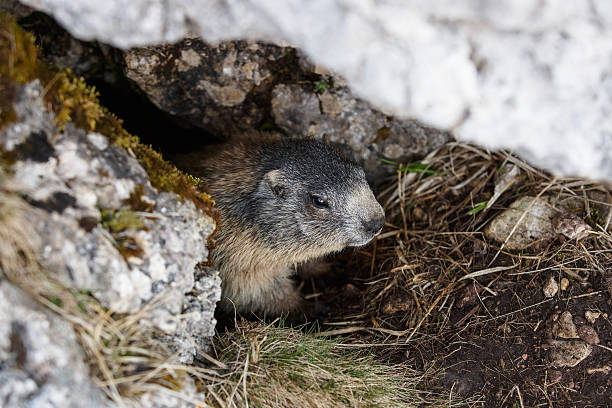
[(530, 76), (78, 186), (239, 86)]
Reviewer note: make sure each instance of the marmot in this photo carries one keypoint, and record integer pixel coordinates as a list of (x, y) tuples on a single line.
[(282, 202)]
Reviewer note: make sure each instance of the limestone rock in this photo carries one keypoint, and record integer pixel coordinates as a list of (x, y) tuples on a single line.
[(78, 185), (551, 287), (534, 215)]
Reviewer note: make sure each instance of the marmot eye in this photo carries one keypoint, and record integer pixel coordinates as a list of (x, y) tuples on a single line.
[(318, 201)]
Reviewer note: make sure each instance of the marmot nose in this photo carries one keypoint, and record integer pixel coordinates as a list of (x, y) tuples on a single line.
[(374, 226)]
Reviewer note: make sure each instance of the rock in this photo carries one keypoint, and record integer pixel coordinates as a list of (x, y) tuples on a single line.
[(564, 327), (215, 88), (550, 288), (41, 363), (588, 334), (591, 316), (534, 215), (571, 226), (72, 177), (339, 116), (85, 233), (564, 284), (482, 69), (467, 297), (192, 336), (109, 246), (568, 353)]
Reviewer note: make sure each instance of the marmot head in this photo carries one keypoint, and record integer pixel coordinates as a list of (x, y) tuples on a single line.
[(313, 197)]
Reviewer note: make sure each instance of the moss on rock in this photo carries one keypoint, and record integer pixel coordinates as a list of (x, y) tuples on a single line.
[(72, 100)]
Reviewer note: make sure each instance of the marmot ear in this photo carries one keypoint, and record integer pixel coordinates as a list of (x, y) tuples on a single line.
[(276, 182)]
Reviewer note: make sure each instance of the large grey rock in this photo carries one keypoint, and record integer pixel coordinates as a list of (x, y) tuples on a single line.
[(337, 115), (212, 88), (238, 86), (73, 179), (530, 76), (41, 363)]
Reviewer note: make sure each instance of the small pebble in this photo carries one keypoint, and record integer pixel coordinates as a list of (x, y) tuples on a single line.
[(588, 334), (564, 327), (591, 316), (564, 283), (551, 287)]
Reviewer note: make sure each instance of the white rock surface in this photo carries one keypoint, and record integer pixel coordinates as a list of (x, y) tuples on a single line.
[(532, 76)]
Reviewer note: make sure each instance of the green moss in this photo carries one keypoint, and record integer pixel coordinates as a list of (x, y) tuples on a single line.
[(18, 65), (118, 221), (76, 102), (72, 100), (18, 58), (136, 203)]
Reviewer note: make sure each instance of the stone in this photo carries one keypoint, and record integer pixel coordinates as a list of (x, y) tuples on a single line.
[(568, 353), (564, 284), (534, 215), (502, 74), (41, 362), (591, 316), (564, 327), (75, 183), (197, 324), (214, 88), (587, 334), (94, 175), (571, 226), (551, 287)]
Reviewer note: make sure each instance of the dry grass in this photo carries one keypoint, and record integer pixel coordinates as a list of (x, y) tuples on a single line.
[(275, 366), (436, 214), (433, 252)]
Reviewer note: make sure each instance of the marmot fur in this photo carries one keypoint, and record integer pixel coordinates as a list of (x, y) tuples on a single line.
[(281, 203)]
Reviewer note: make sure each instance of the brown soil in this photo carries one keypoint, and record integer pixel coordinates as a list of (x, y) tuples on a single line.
[(484, 340)]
